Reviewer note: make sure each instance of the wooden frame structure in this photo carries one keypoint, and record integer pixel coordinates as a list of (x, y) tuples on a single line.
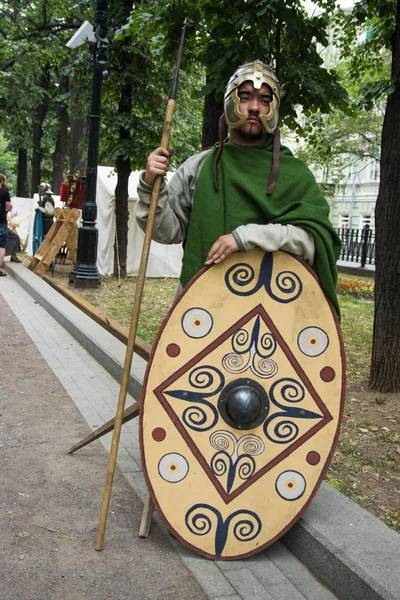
[(63, 230)]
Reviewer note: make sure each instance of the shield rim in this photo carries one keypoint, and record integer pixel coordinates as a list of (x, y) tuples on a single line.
[(325, 467)]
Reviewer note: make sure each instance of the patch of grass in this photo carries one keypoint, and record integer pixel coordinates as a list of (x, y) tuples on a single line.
[(356, 324), (116, 301)]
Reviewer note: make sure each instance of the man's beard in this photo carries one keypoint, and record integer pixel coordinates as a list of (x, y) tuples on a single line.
[(250, 134)]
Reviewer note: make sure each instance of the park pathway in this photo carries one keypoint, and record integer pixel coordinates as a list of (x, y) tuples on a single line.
[(53, 393)]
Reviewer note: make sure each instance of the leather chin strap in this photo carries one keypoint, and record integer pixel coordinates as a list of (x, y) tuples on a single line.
[(223, 132), (275, 162)]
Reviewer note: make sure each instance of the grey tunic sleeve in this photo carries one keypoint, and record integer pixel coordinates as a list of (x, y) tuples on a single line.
[(274, 236), (174, 204)]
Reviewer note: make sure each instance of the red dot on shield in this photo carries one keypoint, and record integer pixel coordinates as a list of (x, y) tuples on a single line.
[(327, 374), (313, 458), (159, 434), (173, 350)]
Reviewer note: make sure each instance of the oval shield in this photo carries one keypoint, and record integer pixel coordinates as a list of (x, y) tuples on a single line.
[(241, 404)]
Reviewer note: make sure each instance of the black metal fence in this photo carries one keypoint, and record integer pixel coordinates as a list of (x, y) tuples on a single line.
[(358, 245)]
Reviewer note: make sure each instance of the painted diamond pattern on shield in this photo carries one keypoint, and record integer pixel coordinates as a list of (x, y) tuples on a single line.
[(293, 412)]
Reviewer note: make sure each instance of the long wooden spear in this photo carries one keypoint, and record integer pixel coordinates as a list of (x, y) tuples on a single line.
[(136, 306)]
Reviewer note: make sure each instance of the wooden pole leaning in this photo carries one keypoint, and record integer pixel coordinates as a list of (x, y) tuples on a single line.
[(136, 310)]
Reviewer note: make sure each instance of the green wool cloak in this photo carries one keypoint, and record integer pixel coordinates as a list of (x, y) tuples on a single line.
[(243, 179)]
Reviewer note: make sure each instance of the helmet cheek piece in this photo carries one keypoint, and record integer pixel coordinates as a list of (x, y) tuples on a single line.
[(234, 118), (270, 121)]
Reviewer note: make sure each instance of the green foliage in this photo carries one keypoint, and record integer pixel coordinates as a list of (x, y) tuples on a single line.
[(7, 161), (223, 35), (139, 68), (35, 46), (333, 140)]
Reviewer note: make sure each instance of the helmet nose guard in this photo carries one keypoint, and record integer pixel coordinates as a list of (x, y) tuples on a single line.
[(258, 73)]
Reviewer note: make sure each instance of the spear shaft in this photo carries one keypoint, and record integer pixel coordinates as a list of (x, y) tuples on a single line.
[(136, 307)]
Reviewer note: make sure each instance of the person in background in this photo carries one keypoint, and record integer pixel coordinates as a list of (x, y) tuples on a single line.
[(5, 206), (46, 206), (13, 244)]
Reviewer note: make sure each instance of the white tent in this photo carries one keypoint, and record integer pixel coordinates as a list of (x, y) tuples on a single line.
[(164, 261)]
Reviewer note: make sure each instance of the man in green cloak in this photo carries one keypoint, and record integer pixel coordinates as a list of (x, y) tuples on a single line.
[(249, 192)]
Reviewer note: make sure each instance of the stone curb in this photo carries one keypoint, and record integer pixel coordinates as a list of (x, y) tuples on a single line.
[(349, 550), (107, 350)]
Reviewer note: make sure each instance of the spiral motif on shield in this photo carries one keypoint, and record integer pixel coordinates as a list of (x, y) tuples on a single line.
[(245, 466), (234, 363), (267, 345), (200, 419), (313, 341), (224, 440), (289, 285), (197, 322), (290, 485), (238, 277), (203, 519), (251, 444), (246, 525), (265, 368), (240, 341), (282, 431), (206, 377), (221, 463), (288, 390)]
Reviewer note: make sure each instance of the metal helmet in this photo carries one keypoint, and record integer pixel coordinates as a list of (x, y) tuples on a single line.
[(258, 73), (44, 188)]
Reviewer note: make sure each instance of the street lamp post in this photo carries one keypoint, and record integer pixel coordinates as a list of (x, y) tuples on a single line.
[(85, 273)]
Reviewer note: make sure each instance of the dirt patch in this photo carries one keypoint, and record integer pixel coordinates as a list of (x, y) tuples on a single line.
[(366, 464)]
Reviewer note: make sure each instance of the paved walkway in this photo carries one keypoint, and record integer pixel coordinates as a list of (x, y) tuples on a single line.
[(273, 574)]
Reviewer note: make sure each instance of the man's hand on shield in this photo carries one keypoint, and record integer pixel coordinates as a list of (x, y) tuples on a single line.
[(221, 249)]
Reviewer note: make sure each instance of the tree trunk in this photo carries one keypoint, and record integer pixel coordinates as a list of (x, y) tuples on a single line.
[(385, 364), (121, 11), (77, 135), (213, 109), (123, 166), (22, 176), (61, 143), (40, 114)]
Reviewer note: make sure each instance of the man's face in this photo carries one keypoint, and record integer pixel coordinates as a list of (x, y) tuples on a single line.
[(255, 104)]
